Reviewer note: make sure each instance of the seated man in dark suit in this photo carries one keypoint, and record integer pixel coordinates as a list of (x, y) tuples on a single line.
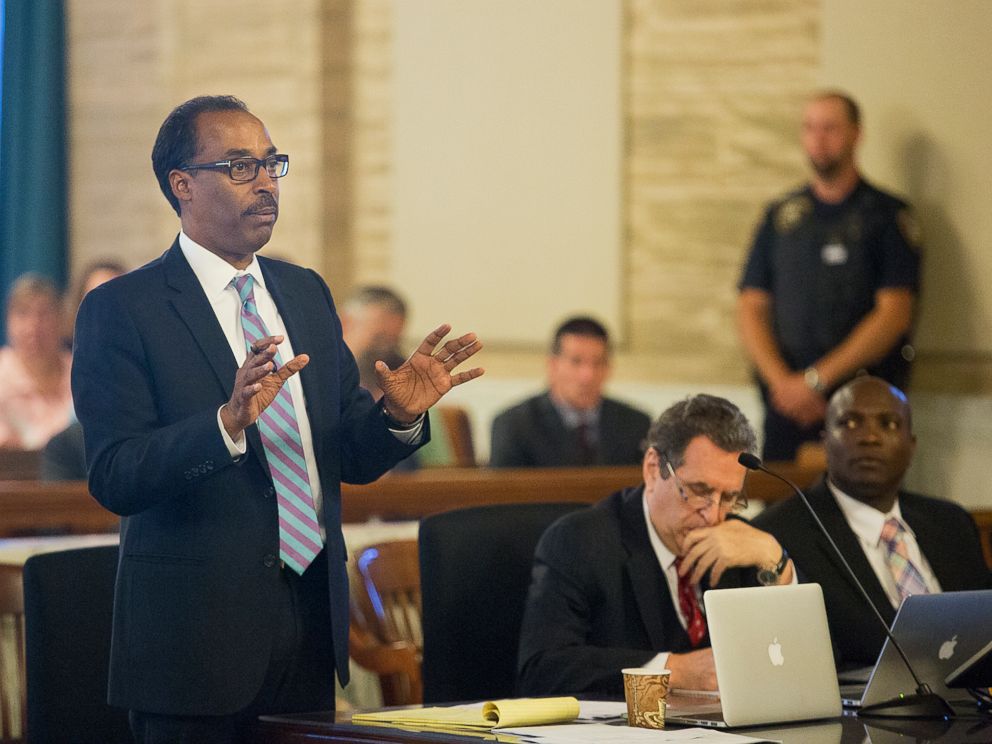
[(898, 543), (571, 423), (619, 584)]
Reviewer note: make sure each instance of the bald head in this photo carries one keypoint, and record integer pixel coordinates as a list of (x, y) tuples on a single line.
[(869, 440)]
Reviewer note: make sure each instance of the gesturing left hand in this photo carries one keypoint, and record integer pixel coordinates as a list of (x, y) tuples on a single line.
[(426, 376)]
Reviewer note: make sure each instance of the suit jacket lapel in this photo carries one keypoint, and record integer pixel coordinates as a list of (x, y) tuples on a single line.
[(557, 434), (646, 577), (194, 308), (833, 519), (932, 544), (299, 329)]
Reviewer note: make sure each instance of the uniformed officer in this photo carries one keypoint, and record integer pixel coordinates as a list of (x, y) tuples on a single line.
[(830, 283)]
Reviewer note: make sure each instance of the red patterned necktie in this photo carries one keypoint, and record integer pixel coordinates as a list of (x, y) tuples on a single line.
[(691, 611)]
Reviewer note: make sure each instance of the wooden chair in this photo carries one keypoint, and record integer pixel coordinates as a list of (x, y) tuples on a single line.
[(13, 689), (459, 432), (20, 464), (386, 635)]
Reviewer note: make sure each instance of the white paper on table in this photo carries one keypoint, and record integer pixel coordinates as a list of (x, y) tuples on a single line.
[(602, 733), (598, 710)]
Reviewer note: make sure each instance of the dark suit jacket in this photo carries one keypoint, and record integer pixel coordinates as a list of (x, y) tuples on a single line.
[(63, 459), (199, 568), (533, 435), (946, 534), (599, 602)]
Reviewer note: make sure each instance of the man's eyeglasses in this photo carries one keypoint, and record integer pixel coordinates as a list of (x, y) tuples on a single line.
[(246, 169), (702, 496)]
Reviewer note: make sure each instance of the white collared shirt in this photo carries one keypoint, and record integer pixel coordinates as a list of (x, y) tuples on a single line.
[(574, 417), (215, 275), (666, 560), (866, 522)]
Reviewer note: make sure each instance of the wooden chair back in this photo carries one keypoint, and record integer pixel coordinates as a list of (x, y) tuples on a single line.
[(20, 464), (390, 573), (458, 429), (387, 637), (13, 683)]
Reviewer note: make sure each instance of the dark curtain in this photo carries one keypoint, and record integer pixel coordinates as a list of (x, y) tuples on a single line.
[(33, 169)]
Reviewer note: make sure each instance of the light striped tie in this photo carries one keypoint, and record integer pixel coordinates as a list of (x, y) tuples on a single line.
[(299, 533), (908, 578)]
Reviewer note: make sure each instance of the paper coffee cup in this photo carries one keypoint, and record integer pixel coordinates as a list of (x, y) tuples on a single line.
[(646, 692)]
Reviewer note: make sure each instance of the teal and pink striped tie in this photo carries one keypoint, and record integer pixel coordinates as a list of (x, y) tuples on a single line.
[(299, 533), (908, 578)]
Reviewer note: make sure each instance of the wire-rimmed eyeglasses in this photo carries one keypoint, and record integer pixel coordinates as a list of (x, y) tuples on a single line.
[(246, 169), (701, 495)]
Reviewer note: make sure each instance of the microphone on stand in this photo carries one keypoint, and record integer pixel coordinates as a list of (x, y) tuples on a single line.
[(924, 703)]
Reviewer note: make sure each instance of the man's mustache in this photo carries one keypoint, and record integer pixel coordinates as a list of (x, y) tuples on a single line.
[(265, 202)]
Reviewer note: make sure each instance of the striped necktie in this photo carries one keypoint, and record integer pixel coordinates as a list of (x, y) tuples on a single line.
[(299, 533), (908, 578)]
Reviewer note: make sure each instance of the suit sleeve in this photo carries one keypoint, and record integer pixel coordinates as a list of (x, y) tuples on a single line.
[(134, 460), (555, 654)]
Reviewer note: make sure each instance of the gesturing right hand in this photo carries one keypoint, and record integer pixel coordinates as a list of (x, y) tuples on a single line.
[(256, 385)]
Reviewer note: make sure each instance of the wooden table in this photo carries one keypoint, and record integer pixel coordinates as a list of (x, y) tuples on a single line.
[(328, 727)]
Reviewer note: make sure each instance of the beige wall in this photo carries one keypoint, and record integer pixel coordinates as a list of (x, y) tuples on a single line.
[(711, 94)]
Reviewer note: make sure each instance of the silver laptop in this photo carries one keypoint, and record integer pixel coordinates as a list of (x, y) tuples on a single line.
[(773, 658), (937, 632)]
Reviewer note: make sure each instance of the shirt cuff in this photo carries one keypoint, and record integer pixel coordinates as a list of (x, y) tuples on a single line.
[(235, 448), (411, 435), (658, 663)]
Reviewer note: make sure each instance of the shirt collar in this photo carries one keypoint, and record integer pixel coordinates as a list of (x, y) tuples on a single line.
[(573, 417), (212, 271), (865, 521), (665, 556)]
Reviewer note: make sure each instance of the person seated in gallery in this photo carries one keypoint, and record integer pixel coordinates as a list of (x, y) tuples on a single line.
[(572, 423)]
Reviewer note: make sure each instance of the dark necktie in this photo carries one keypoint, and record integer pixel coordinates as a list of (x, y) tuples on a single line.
[(691, 611), (587, 452)]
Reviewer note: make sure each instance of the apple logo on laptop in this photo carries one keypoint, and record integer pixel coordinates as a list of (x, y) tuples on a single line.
[(947, 649), (775, 653)]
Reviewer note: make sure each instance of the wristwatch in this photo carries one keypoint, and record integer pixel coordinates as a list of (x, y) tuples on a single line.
[(813, 380), (770, 576)]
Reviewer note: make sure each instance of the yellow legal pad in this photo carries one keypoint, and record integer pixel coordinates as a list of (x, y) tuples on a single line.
[(478, 717)]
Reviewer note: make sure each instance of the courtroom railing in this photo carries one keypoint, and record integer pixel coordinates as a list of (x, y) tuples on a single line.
[(32, 507)]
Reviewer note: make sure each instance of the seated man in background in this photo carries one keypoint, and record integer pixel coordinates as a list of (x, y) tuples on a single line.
[(372, 322), (620, 584), (35, 397), (571, 423), (898, 543)]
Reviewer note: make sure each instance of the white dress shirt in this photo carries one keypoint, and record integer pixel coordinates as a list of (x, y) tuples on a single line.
[(866, 522), (215, 275)]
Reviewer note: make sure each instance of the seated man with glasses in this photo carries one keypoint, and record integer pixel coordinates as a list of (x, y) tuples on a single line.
[(620, 584)]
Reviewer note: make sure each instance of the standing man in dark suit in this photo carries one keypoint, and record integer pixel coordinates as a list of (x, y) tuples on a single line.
[(897, 542), (232, 596), (620, 584), (571, 423)]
